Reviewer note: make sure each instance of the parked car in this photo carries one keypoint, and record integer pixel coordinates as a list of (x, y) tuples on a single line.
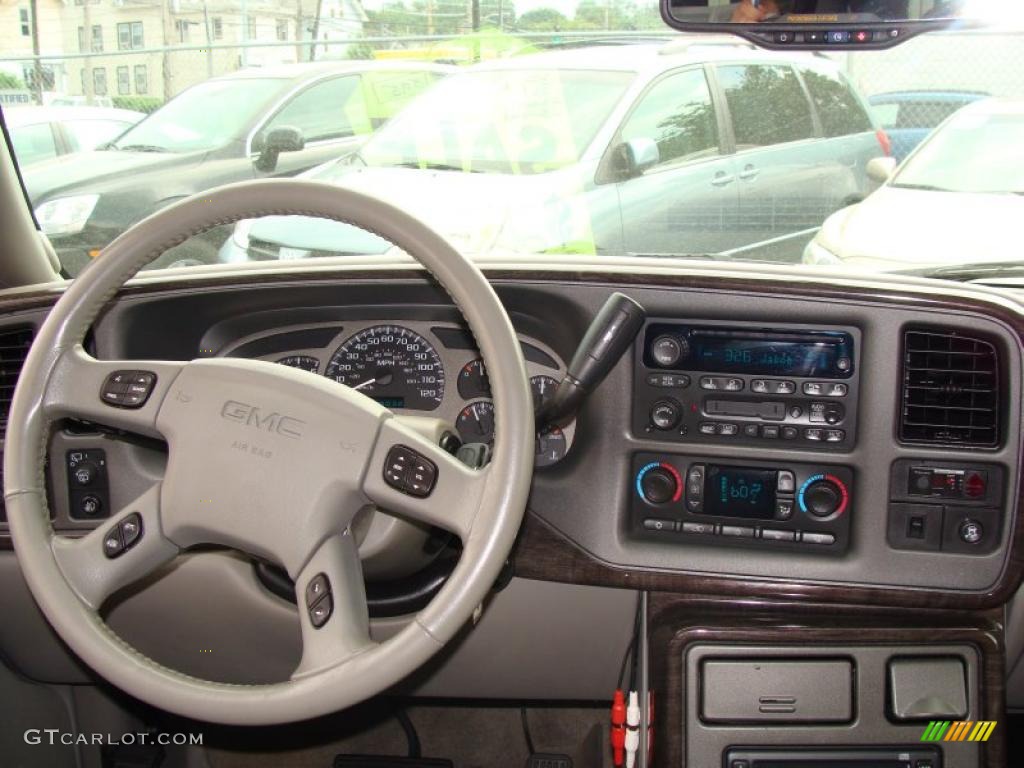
[(254, 123), (915, 220), (43, 133), (638, 148), (909, 116)]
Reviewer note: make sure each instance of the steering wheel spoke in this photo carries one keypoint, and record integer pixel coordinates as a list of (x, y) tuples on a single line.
[(333, 612), (122, 550), (410, 475), (126, 394)]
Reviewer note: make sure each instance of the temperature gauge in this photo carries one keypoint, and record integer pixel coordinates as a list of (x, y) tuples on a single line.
[(475, 423)]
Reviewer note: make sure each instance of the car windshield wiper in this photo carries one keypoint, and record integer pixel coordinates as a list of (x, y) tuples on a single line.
[(140, 148), (966, 273), (426, 165), (923, 187)]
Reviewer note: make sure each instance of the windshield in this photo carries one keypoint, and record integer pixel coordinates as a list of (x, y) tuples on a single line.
[(959, 159), (203, 117), (505, 121), (524, 129)]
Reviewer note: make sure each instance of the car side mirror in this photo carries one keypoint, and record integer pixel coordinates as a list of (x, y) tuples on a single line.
[(880, 169), (283, 139), (637, 155)]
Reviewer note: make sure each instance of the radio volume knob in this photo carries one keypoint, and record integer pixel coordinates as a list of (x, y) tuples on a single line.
[(822, 498), (666, 413), (668, 349)]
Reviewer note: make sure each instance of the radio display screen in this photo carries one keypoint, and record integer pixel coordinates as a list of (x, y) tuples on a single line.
[(740, 492), (768, 357)]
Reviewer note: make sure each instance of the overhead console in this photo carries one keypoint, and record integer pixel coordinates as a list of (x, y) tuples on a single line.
[(747, 383)]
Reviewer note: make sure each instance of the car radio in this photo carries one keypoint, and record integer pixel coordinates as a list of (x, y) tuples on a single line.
[(694, 499), (747, 383)]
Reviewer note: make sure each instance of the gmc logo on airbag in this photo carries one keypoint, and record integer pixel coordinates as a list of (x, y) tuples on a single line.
[(251, 416)]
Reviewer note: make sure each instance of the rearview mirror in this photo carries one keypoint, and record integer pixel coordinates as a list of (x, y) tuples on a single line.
[(880, 168), (278, 140), (637, 155), (830, 24)]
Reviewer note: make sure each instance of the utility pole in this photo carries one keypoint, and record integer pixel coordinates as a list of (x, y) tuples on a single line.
[(168, 29), (37, 70), (87, 46), (315, 33), (209, 40), (245, 33), (298, 31)]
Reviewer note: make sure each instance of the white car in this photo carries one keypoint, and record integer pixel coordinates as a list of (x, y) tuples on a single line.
[(42, 133), (915, 220)]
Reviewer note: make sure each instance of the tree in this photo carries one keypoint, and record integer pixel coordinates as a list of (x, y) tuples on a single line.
[(9, 82), (542, 20)]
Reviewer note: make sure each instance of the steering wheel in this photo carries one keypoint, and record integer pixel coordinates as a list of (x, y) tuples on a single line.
[(266, 459)]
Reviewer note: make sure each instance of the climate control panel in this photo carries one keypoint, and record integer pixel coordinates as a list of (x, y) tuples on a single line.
[(693, 499)]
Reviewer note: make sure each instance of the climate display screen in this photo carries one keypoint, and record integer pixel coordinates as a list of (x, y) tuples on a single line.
[(740, 492)]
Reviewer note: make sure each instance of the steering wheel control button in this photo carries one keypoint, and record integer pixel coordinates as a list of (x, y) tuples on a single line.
[(123, 536), (88, 494), (319, 603), (321, 612), (408, 472), (128, 389)]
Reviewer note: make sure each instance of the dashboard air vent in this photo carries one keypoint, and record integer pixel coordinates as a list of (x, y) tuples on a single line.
[(950, 389), (14, 344)]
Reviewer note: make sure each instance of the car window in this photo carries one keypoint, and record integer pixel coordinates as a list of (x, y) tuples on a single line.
[(838, 109), (679, 115), (33, 143), (89, 134), (925, 114), (388, 91), (332, 109), (766, 104)]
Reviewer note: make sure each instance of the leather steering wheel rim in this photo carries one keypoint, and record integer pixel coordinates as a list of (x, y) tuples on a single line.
[(71, 577)]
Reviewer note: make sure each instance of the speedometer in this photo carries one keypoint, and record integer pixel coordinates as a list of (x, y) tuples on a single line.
[(393, 365)]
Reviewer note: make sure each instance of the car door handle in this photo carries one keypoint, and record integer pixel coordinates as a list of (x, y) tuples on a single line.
[(749, 172), (721, 179)]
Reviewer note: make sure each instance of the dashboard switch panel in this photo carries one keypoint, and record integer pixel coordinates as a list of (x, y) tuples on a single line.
[(88, 491), (788, 386), (697, 500)]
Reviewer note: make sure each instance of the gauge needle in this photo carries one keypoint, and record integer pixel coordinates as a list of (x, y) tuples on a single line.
[(366, 383)]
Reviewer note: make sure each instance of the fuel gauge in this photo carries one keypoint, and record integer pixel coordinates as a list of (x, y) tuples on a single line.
[(543, 389), (473, 381), (551, 447)]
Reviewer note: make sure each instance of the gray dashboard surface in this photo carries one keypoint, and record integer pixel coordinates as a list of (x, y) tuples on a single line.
[(585, 495)]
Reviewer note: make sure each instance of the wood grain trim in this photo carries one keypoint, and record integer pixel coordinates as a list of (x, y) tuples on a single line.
[(676, 623)]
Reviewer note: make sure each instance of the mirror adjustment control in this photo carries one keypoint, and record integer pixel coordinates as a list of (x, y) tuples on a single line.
[(128, 389), (123, 536), (319, 603), (407, 471)]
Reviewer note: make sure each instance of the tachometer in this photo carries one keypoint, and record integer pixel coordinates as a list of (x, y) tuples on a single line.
[(394, 365)]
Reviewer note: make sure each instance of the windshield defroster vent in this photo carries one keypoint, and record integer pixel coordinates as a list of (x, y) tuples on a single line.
[(14, 344), (950, 389)]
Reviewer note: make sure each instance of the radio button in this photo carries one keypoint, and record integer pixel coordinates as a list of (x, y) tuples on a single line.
[(657, 524), (814, 388), (667, 350), (834, 435), (774, 534), (759, 385), (704, 528), (741, 531), (728, 430), (770, 432), (708, 428), (665, 414), (733, 385), (837, 390), (784, 387), (709, 382), (668, 380), (795, 411), (786, 482), (790, 433), (814, 434), (844, 364), (817, 538), (751, 430), (783, 509)]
